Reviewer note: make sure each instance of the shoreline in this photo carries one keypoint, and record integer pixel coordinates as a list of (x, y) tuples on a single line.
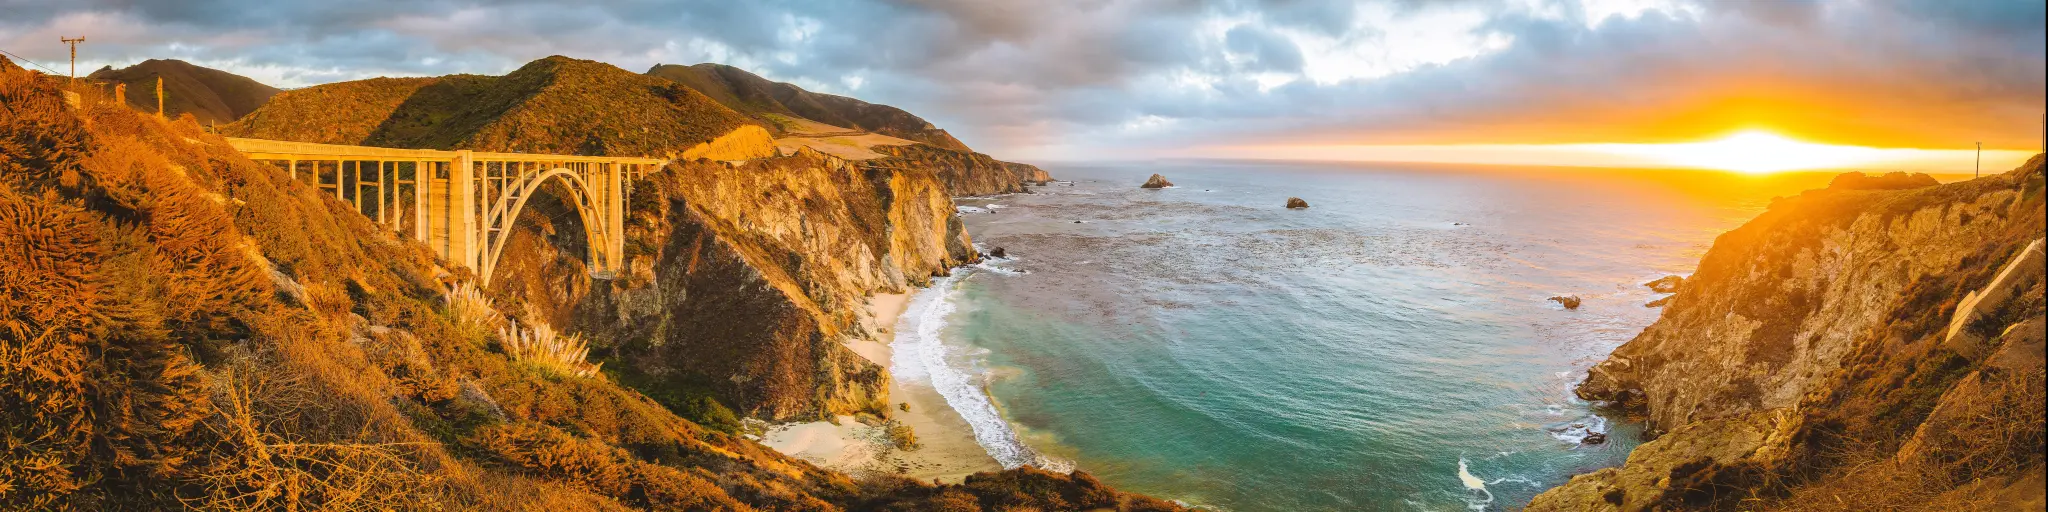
[(947, 450)]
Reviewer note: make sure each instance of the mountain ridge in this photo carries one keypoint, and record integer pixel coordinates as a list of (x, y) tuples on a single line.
[(212, 95)]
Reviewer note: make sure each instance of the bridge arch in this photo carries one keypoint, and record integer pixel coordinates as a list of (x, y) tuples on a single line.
[(462, 204), (503, 215)]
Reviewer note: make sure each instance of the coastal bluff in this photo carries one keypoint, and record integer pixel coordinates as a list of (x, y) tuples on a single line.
[(1845, 350)]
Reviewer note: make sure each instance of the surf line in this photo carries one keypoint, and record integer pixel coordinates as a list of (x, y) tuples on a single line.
[(922, 356), (1474, 485)]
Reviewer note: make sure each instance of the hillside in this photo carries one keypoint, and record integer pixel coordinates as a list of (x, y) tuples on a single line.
[(1869, 345), (551, 105), (212, 95), (772, 102), (181, 327)]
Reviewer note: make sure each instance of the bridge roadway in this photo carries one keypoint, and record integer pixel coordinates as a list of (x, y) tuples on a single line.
[(463, 203)]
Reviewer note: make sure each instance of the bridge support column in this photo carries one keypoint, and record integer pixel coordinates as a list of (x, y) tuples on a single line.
[(614, 217), (422, 177), (462, 231)]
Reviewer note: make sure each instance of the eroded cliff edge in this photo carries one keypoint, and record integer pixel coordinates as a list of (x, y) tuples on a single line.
[(1872, 343), (746, 279)]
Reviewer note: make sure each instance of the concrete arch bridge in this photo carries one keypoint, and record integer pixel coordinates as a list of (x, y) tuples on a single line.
[(463, 203)]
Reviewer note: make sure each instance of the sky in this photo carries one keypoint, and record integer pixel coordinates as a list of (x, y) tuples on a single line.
[(1094, 79)]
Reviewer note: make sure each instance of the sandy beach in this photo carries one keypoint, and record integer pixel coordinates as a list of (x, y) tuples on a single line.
[(946, 452)]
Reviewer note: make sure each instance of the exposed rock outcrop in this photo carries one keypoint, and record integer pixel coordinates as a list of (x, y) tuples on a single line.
[(747, 279), (1029, 174), (965, 173), (1296, 203), (1568, 301), (1666, 284), (1821, 349), (1156, 181)]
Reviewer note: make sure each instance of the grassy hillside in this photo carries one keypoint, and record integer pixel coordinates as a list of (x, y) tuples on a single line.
[(765, 100), (552, 105), (181, 327), (212, 95)]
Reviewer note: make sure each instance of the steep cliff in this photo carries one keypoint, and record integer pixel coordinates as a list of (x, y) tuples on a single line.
[(181, 327), (746, 279), (1872, 343), (965, 173)]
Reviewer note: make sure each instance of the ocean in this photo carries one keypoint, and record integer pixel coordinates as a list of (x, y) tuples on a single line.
[(1389, 348)]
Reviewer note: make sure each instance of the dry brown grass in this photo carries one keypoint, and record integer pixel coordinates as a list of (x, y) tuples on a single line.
[(260, 468)]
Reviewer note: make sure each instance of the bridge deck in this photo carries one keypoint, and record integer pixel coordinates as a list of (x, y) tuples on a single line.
[(262, 149)]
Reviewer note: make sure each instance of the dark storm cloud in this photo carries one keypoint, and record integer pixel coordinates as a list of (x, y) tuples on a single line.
[(1094, 75)]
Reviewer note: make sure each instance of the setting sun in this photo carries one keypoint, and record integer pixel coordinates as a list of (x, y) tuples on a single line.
[(1750, 151)]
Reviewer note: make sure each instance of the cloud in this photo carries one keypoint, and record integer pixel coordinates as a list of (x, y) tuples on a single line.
[(1113, 77)]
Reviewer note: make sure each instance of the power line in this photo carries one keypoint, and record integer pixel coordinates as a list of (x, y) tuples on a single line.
[(30, 62)]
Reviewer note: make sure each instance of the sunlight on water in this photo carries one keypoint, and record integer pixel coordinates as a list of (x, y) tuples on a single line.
[(1389, 347)]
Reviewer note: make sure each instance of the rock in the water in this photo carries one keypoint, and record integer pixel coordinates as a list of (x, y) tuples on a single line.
[(1156, 181), (1658, 303), (1594, 438), (1296, 202), (1666, 284), (997, 253), (1569, 301)]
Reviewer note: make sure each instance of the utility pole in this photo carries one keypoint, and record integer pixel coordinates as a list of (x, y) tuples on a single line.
[(73, 42), (1980, 159)]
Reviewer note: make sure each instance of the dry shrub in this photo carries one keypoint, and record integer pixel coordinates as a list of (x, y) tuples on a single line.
[(604, 468), (540, 345), (257, 468), (1997, 435)]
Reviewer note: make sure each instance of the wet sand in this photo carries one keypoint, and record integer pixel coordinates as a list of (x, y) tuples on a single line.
[(947, 451)]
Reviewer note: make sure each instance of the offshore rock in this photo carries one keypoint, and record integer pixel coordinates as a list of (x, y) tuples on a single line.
[(1296, 203), (1156, 181), (1666, 284), (1568, 301)]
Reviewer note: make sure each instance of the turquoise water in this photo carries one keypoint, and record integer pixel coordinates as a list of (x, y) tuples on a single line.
[(1204, 344)]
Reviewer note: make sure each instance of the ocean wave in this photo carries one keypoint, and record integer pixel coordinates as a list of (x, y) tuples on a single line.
[(921, 356)]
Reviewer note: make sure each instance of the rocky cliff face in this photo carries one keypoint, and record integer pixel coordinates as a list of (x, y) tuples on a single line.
[(1814, 344), (965, 173), (747, 279)]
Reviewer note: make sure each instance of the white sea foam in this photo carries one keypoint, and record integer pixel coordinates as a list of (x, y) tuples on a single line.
[(1480, 497), (921, 357)]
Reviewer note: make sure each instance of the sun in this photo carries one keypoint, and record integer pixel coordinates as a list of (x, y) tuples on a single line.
[(1750, 151)]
